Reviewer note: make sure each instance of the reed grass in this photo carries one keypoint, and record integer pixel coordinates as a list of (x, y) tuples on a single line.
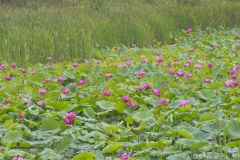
[(33, 30)]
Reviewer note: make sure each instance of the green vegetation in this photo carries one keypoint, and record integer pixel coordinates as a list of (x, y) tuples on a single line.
[(33, 30), (119, 79), (170, 102)]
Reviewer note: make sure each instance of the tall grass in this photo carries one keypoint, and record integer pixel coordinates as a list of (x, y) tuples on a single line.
[(33, 30)]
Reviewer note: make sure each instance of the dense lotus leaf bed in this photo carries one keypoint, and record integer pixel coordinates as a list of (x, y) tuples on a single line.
[(169, 102)]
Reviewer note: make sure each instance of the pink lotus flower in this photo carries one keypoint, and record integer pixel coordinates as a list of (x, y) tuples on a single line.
[(132, 104), (47, 80), (108, 75), (180, 74), (14, 65), (17, 158), (234, 76), (210, 65), (87, 62), (141, 73), (156, 92), (156, 53), (236, 69), (41, 103), (3, 67), (70, 115), (98, 61), (128, 63), (140, 88), (106, 93), (69, 121), (207, 80), (69, 118), (198, 66), (190, 61), (124, 156), (82, 82), (61, 79), (126, 59), (125, 99), (230, 83), (125, 66), (144, 87), (171, 72), (234, 50), (21, 115), (232, 72), (5, 101), (183, 103), (8, 78), (75, 65), (160, 59), (42, 91), (169, 64), (27, 100), (23, 70), (65, 91), (189, 30), (163, 101), (33, 72), (176, 59), (144, 59), (188, 75), (147, 86), (186, 64)]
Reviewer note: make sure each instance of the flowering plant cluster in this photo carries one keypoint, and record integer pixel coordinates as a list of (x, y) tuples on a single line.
[(176, 101)]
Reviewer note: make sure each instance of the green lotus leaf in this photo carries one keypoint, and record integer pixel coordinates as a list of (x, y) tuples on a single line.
[(85, 156)]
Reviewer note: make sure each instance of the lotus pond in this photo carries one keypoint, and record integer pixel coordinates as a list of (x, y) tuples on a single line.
[(171, 102)]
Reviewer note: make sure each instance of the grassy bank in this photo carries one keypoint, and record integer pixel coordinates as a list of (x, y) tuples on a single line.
[(30, 32)]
